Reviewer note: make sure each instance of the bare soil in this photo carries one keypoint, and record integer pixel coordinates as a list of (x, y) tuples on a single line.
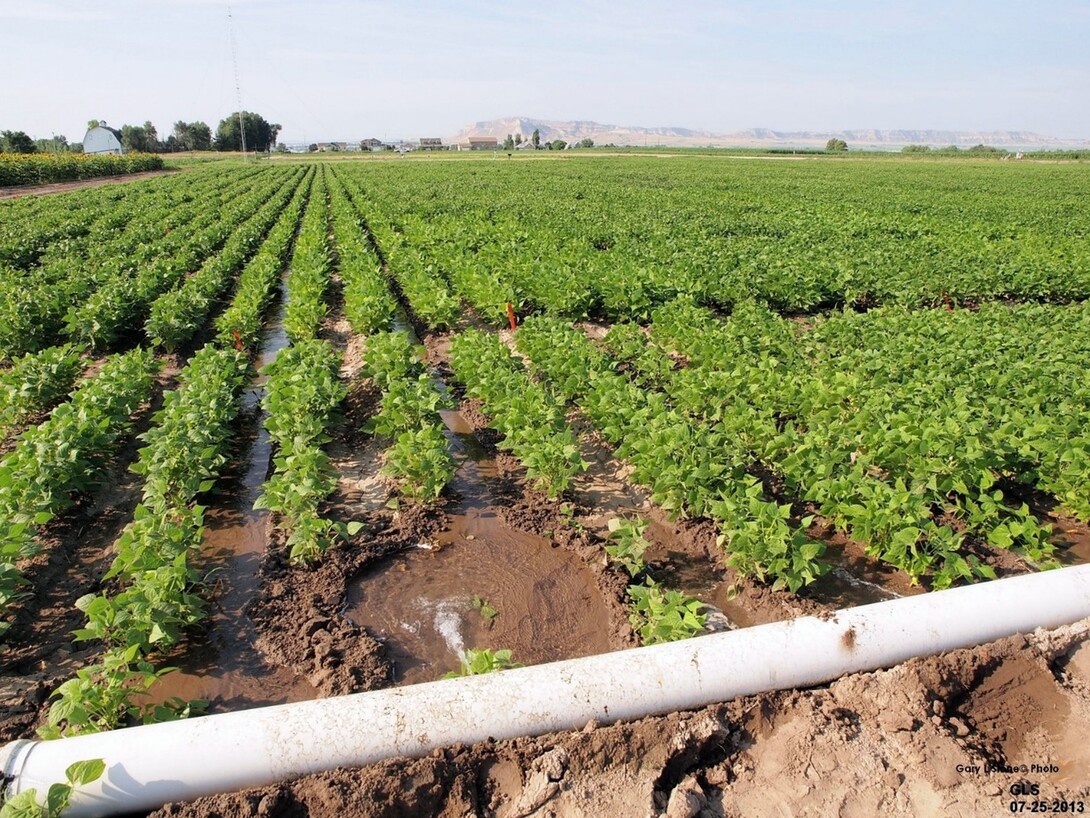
[(939, 735), (65, 187), (38, 652), (943, 735)]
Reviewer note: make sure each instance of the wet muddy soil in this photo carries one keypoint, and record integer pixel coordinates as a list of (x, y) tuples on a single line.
[(417, 587), (1071, 538), (497, 564), (479, 585), (39, 652), (684, 553), (401, 602), (223, 667), (932, 736)]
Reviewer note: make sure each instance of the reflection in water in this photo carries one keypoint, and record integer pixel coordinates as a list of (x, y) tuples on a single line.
[(841, 589), (696, 577)]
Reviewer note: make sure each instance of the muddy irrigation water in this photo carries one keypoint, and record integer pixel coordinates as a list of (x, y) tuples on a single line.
[(500, 566), (477, 581), (225, 668)]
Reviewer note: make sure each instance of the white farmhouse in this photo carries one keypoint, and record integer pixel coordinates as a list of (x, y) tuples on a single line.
[(101, 139)]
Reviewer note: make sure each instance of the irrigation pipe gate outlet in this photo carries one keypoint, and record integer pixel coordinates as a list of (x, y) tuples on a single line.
[(150, 765)]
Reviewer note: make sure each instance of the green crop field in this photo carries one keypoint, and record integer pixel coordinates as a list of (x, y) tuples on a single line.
[(893, 352)]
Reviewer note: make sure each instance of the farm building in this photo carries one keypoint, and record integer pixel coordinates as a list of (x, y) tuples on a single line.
[(375, 145), (101, 139), (479, 143), (431, 144)]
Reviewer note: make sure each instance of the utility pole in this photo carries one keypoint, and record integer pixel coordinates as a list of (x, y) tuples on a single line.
[(238, 85)]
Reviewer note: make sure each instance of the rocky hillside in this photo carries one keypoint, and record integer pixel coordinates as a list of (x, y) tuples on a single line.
[(573, 131)]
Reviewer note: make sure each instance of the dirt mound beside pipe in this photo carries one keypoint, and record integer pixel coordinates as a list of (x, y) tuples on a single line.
[(950, 735)]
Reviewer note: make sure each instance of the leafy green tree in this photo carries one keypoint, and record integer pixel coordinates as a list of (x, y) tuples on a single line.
[(152, 136), (535, 138), (835, 145), (557, 145), (180, 135), (133, 138), (16, 142), (260, 135), (915, 149), (193, 136), (58, 144), (201, 136), (518, 139), (509, 143), (586, 143), (143, 138)]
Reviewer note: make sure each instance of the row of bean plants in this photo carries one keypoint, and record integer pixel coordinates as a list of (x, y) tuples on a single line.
[(35, 303), (302, 393), (620, 237), (155, 592), (427, 293), (418, 458), (532, 422), (311, 267), (63, 455), (36, 382), (894, 422), (369, 305), (125, 298), (657, 614), (152, 598), (685, 464), (177, 314), (33, 227), (58, 232), (240, 324)]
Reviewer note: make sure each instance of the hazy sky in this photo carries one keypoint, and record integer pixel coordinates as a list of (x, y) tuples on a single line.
[(407, 68)]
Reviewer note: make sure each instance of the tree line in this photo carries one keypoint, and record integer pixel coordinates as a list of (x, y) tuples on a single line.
[(185, 136)]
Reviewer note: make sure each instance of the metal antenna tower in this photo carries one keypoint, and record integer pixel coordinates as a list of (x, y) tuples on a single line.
[(238, 85)]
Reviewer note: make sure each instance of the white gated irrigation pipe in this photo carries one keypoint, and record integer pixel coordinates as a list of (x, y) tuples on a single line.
[(150, 765)]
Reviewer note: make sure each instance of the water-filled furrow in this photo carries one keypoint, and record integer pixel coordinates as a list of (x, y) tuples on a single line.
[(480, 584), (224, 667)]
